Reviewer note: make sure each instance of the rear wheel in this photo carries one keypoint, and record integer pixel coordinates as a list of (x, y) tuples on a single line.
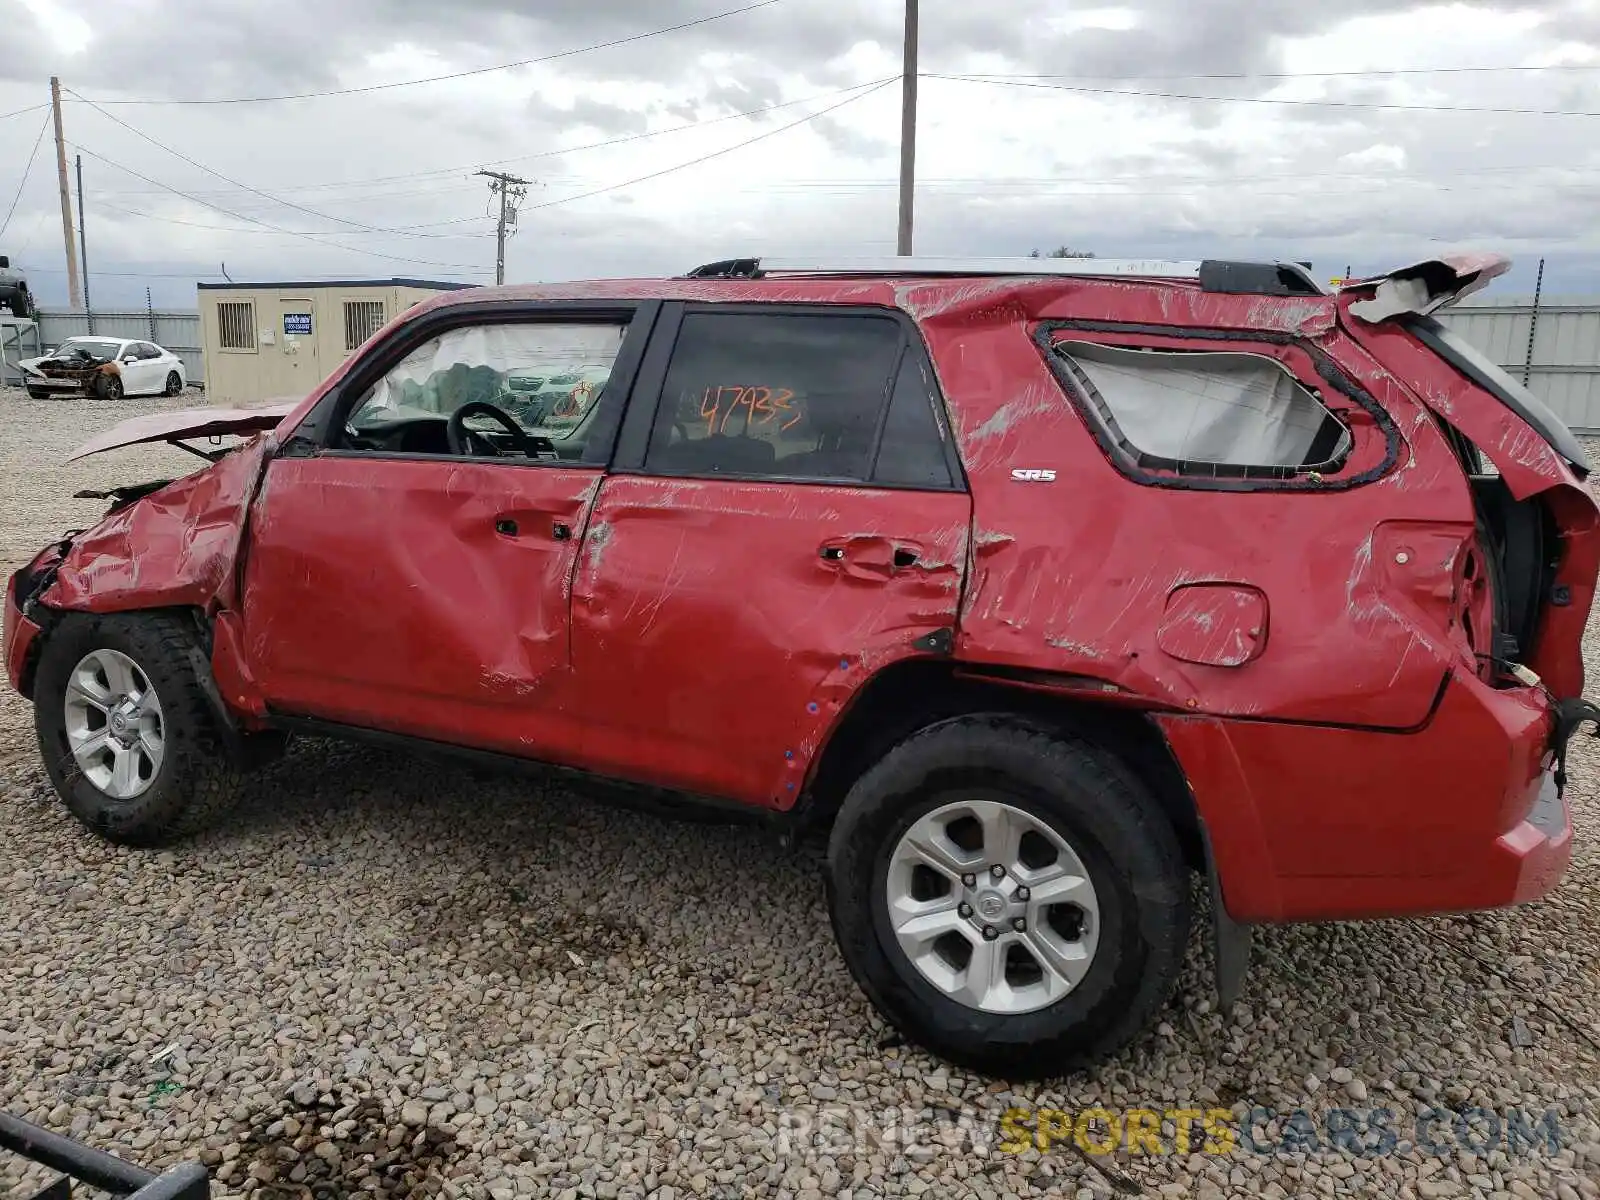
[(174, 384), (1008, 897), (128, 737)]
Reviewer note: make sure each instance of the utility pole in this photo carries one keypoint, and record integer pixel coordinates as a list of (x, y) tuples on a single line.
[(511, 190), (83, 243), (73, 294), (908, 128)]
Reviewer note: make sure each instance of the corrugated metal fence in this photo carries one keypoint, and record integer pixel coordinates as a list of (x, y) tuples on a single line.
[(175, 330), (1554, 349)]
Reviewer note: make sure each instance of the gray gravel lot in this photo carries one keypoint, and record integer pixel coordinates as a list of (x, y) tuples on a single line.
[(393, 976)]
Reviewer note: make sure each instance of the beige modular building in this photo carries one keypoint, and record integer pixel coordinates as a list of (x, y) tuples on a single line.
[(266, 341)]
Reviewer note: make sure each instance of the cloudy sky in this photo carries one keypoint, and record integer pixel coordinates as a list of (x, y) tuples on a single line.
[(1363, 133)]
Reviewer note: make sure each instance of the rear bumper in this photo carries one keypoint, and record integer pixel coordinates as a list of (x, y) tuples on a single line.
[(1316, 823)]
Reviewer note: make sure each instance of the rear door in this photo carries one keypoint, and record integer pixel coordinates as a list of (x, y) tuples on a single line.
[(399, 579), (786, 517)]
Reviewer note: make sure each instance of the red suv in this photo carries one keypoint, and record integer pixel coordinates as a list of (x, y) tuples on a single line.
[(1044, 584)]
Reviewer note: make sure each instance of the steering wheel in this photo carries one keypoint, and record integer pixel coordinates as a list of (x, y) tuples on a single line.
[(464, 441)]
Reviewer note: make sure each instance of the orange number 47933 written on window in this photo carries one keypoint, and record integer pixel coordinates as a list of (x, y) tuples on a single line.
[(761, 405)]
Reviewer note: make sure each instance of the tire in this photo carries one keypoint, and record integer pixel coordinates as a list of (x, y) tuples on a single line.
[(1066, 787), (38, 394), (193, 780), (174, 384), (109, 387)]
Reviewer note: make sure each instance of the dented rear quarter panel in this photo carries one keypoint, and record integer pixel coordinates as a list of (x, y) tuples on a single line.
[(1531, 468), (1074, 576)]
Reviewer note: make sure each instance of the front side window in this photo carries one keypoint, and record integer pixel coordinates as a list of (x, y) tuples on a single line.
[(525, 391), (1206, 412), (789, 395)]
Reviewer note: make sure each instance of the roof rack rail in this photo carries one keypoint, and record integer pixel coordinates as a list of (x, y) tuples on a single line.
[(752, 268), (1213, 275)]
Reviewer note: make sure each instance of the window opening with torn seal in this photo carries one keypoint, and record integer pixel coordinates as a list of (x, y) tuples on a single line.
[(1213, 414)]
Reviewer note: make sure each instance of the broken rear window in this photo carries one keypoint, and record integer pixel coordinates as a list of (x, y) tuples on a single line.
[(1206, 412)]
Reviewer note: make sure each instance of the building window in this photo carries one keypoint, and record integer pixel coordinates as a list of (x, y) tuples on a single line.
[(362, 319), (236, 324)]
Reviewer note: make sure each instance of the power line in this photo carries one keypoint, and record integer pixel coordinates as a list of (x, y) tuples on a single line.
[(1361, 104), (132, 274), (861, 90), (17, 112), (1365, 73), (23, 182), (497, 162), (150, 216), (316, 238), (694, 162), (527, 62), (1175, 177), (245, 186)]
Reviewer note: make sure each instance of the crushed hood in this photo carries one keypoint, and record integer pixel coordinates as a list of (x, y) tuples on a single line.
[(185, 423)]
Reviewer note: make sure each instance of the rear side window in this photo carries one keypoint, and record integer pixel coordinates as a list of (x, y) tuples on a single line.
[(913, 452), (785, 395), (1206, 413)]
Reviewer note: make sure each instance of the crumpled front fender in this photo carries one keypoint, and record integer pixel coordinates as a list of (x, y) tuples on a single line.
[(177, 547)]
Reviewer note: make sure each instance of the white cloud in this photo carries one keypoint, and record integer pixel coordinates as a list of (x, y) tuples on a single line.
[(1002, 167)]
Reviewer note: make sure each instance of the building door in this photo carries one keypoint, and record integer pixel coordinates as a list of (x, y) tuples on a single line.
[(295, 370)]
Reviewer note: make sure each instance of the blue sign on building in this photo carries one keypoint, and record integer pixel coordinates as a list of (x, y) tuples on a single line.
[(296, 323)]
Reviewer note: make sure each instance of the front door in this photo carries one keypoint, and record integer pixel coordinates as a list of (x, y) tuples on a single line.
[(412, 573), (792, 522), (140, 369)]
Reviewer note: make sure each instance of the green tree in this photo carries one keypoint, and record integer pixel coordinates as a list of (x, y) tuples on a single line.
[(1062, 252)]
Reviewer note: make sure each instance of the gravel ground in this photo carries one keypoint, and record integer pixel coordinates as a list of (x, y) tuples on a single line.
[(400, 977)]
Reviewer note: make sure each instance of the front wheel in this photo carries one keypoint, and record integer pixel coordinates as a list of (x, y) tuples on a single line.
[(109, 387), (128, 738), (1008, 897)]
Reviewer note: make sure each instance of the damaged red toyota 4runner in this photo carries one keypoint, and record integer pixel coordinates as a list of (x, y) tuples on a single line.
[(1045, 585)]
